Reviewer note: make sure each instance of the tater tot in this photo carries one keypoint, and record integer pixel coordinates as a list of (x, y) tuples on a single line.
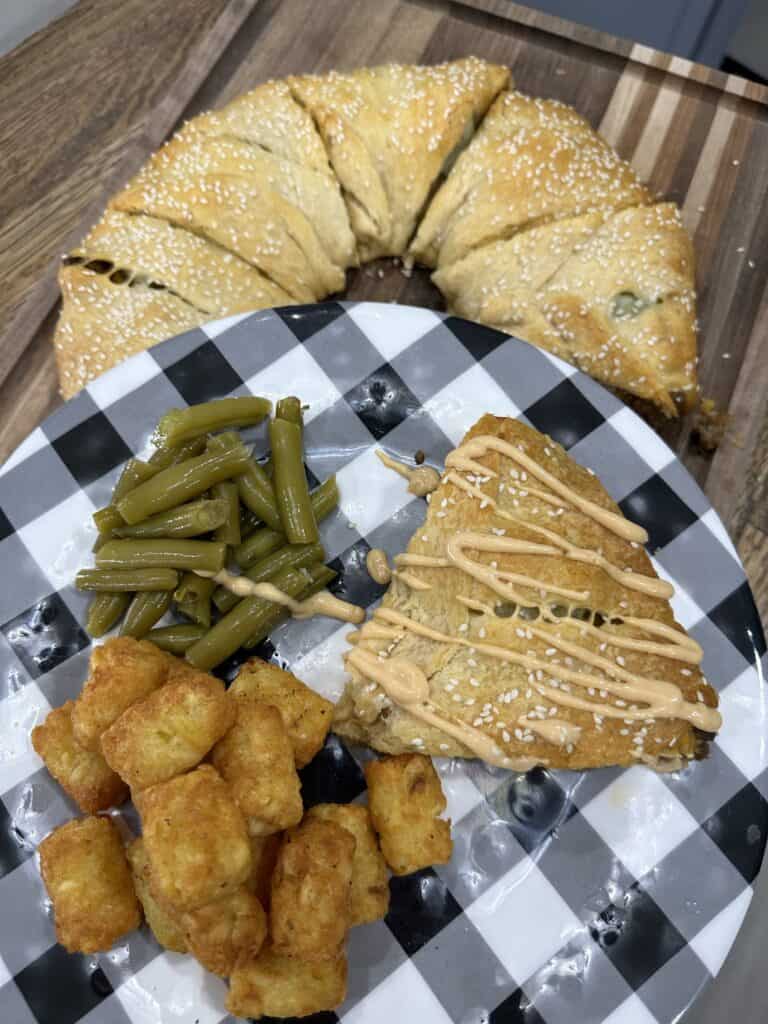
[(162, 924), (256, 759), (309, 911), (83, 774), (307, 715), (196, 839), (88, 879), (280, 986), (406, 799), (223, 934), (369, 895), (263, 859), (169, 731), (122, 671)]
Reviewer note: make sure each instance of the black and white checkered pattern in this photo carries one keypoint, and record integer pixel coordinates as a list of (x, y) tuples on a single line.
[(610, 896)]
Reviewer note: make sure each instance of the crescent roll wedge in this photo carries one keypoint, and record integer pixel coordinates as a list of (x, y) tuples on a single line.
[(526, 625), (531, 160), (390, 131)]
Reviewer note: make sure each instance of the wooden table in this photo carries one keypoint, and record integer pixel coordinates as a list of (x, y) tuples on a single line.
[(84, 102)]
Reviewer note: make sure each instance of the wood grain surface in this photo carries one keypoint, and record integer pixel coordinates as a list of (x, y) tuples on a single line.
[(83, 103)]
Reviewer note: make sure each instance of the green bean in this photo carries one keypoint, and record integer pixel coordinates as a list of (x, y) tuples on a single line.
[(165, 457), (325, 498), (146, 609), (289, 409), (176, 484), (249, 523), (290, 556), (106, 520), (126, 579), (104, 611), (204, 555), (193, 598), (188, 520), (177, 638), (182, 424), (260, 544), (245, 619), (229, 530), (291, 487), (134, 473), (321, 577), (253, 484)]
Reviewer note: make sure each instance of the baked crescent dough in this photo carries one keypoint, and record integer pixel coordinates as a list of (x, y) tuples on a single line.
[(531, 160), (202, 273), (389, 132), (527, 620), (102, 323)]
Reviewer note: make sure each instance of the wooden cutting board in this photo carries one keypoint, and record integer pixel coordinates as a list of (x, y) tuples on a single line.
[(85, 101)]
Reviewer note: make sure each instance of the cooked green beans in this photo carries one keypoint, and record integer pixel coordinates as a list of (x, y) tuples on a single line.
[(290, 556), (179, 483), (188, 520), (253, 484), (126, 579), (104, 611), (176, 639), (291, 489), (146, 609), (198, 502), (165, 457), (203, 555), (193, 598), (182, 424), (320, 575), (229, 530), (245, 619)]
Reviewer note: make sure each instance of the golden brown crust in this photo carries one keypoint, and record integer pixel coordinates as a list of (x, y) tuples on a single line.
[(87, 877), (83, 774), (226, 933), (309, 913), (256, 759), (369, 896), (145, 249), (163, 924), (306, 715), (169, 731), (389, 131), (500, 697), (196, 839), (532, 160), (281, 986), (406, 799), (102, 323), (122, 671)]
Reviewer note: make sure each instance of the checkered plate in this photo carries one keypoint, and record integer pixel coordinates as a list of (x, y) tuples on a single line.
[(610, 896)]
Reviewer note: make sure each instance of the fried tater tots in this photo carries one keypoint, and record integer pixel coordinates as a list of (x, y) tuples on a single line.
[(263, 859), (122, 671), (309, 911), (195, 838), (280, 986), (162, 924), (307, 715), (169, 731), (88, 879), (405, 798), (223, 934), (369, 897), (256, 759), (82, 774)]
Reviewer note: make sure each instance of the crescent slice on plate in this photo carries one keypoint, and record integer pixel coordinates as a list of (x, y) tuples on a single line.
[(390, 132), (613, 294), (531, 160), (526, 625)]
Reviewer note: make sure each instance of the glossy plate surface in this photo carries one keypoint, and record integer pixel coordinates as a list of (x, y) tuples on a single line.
[(607, 896)]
